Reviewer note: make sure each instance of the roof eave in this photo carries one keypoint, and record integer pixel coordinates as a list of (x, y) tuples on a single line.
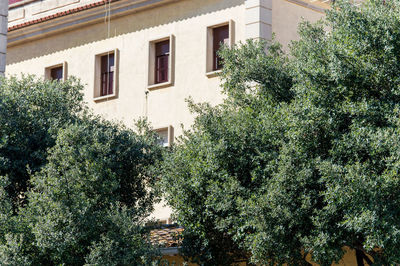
[(81, 16)]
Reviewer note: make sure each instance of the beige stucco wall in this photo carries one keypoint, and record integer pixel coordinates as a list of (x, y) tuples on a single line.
[(186, 20), (287, 15)]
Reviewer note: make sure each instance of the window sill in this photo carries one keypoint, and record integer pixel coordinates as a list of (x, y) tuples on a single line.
[(159, 85), (104, 98), (214, 73)]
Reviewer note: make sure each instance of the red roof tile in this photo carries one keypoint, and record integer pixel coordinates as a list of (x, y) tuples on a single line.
[(59, 14), (13, 1)]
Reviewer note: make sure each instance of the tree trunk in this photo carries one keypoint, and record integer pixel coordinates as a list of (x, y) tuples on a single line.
[(361, 257)]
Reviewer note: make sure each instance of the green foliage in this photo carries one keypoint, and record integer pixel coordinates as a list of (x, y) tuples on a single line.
[(122, 243), (92, 191), (88, 198), (31, 110), (303, 156)]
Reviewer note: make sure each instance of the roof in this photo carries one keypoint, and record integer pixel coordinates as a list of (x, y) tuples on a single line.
[(10, 2), (59, 14), (166, 236)]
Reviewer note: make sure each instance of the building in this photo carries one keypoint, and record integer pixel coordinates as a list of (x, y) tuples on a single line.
[(3, 35), (143, 57)]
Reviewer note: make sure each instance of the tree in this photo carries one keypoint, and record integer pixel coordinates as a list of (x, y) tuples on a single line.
[(87, 202), (302, 158), (31, 111)]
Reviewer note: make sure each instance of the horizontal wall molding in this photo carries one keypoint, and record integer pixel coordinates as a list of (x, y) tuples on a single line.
[(309, 5), (17, 3), (92, 15)]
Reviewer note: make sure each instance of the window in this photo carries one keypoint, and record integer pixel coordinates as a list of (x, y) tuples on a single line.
[(220, 38), (56, 72), (163, 137), (217, 36), (161, 63), (166, 135), (106, 75)]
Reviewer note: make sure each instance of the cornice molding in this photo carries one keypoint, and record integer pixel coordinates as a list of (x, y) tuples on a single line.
[(77, 19), (17, 3), (316, 5), (56, 15)]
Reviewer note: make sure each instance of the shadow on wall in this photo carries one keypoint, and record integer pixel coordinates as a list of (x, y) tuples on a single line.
[(142, 20)]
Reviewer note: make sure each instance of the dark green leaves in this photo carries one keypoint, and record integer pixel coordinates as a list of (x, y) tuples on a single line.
[(81, 186), (302, 158)]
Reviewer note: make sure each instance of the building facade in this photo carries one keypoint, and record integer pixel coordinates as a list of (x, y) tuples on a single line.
[(143, 58), (3, 35)]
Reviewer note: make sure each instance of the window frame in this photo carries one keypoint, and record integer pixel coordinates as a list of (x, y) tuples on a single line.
[(151, 63), (47, 71), (97, 90), (210, 71), (170, 132)]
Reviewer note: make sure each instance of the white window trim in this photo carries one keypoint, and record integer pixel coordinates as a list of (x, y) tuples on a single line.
[(214, 73), (151, 85), (210, 73), (47, 71), (97, 70), (170, 130)]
